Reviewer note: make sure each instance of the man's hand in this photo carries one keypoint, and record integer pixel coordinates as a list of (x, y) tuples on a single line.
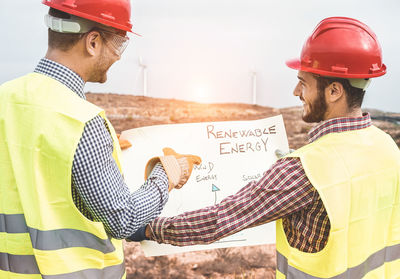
[(177, 166), (123, 143), (279, 153), (143, 233), (139, 235)]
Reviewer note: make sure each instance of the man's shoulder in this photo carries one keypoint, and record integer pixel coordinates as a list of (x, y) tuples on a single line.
[(10, 89), (12, 82), (29, 82), (47, 93)]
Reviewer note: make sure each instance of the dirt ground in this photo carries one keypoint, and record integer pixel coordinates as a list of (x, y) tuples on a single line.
[(127, 112)]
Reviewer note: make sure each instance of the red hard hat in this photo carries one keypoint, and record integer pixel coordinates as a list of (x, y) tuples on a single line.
[(341, 47), (114, 13)]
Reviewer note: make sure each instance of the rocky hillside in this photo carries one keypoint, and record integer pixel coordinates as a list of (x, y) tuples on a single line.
[(127, 112)]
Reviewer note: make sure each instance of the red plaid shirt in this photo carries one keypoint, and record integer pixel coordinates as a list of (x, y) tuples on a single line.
[(283, 192)]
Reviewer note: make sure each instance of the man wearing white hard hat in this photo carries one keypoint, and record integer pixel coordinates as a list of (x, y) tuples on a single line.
[(337, 199), (64, 205)]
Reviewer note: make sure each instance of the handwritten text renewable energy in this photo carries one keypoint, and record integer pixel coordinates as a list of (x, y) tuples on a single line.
[(250, 145)]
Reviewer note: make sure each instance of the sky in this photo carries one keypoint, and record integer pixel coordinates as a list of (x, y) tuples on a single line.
[(210, 50)]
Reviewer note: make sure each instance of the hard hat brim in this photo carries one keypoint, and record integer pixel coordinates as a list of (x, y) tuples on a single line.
[(294, 63)]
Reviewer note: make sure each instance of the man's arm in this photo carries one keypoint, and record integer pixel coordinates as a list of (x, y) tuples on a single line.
[(101, 186), (283, 190)]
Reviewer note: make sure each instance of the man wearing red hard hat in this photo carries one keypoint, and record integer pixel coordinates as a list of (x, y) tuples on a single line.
[(337, 199), (64, 205)]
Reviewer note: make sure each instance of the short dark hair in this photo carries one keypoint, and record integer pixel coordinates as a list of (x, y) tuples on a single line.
[(354, 95), (62, 41)]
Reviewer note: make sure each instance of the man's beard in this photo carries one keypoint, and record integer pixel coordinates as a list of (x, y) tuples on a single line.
[(99, 73), (316, 109)]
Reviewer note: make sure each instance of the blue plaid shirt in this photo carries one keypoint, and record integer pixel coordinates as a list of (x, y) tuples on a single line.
[(98, 188)]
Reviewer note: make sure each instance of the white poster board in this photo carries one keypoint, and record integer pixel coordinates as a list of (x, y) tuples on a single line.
[(233, 153)]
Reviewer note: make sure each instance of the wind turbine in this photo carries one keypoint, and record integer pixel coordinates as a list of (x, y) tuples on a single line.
[(144, 71), (254, 86)]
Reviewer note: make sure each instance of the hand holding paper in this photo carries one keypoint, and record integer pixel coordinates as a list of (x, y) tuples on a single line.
[(279, 153), (124, 144), (177, 166)]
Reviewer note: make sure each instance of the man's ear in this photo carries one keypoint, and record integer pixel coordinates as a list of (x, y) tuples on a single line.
[(334, 92), (93, 43)]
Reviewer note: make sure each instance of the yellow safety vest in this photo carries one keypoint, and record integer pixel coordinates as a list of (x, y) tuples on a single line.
[(42, 233), (357, 175)]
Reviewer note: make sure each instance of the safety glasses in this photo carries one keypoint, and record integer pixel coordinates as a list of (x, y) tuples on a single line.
[(117, 42)]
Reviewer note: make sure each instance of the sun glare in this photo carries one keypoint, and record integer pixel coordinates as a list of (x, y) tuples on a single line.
[(201, 94)]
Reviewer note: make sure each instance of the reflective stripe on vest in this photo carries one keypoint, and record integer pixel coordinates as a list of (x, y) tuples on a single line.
[(13, 223), (26, 264), (110, 272), (385, 255), (54, 239)]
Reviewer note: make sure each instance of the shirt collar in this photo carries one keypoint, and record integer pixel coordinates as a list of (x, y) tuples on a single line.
[(338, 125), (62, 74)]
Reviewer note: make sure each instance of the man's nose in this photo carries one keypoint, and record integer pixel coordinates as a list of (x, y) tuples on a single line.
[(297, 90)]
